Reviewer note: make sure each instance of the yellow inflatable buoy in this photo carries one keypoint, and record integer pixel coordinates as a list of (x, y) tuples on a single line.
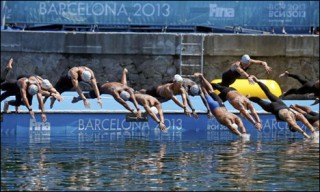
[(243, 86)]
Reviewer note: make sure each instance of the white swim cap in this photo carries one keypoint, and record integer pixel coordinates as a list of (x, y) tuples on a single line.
[(46, 84), (177, 78), (194, 90), (235, 126), (154, 110), (33, 89), (245, 59), (125, 95), (86, 76)]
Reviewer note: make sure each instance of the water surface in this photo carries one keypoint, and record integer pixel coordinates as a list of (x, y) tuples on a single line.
[(74, 163)]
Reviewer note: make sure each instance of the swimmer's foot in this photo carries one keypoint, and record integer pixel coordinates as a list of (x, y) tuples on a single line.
[(9, 64), (17, 109), (285, 74), (74, 100), (316, 101), (6, 107)]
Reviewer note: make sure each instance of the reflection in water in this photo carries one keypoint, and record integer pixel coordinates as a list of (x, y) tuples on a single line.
[(289, 162), (238, 166), (137, 164)]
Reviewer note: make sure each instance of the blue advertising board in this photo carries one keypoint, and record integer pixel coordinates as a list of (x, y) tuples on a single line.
[(115, 126), (165, 13), (72, 120)]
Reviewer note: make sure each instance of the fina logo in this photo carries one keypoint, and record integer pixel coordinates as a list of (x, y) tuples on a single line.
[(39, 126), (215, 11)]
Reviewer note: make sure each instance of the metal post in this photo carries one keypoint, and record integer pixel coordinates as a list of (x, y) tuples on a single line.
[(3, 15)]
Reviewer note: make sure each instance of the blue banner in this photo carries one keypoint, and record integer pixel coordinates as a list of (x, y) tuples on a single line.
[(166, 13), (114, 125)]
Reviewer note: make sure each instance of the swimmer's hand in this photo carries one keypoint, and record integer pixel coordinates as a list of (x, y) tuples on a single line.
[(86, 103), (57, 96), (267, 68), (210, 115), (32, 114), (250, 79), (195, 115), (100, 103), (187, 112), (138, 113), (43, 117), (258, 125), (162, 126)]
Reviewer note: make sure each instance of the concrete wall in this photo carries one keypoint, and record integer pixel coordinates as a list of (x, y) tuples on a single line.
[(153, 58)]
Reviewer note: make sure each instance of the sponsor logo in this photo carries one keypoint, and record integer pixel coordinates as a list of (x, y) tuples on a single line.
[(39, 132), (35, 126), (287, 10), (221, 12)]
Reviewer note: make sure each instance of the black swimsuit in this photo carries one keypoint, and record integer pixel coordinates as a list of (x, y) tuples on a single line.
[(223, 90), (230, 76), (274, 106), (312, 116), (307, 86), (11, 89)]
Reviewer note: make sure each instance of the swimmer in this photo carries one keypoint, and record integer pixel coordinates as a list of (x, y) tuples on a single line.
[(230, 120), (72, 78), (239, 68), (10, 87), (239, 102), (193, 89), (169, 91), (119, 91), (28, 87), (307, 86), (312, 116), (280, 110)]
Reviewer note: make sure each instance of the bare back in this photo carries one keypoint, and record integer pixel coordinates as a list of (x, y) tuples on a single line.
[(144, 99), (237, 100), (110, 87), (169, 89)]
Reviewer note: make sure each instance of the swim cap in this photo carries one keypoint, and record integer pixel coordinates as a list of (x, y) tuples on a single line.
[(86, 76), (154, 110), (235, 126), (125, 95), (194, 90), (33, 89), (46, 84), (177, 78), (245, 59)]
